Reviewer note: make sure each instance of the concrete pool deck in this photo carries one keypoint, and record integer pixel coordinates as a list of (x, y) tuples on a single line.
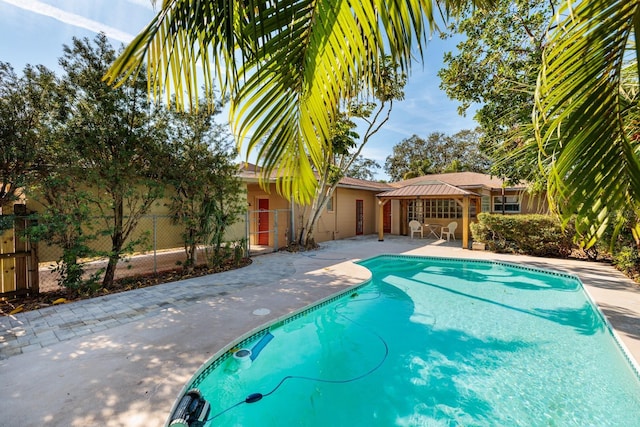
[(121, 360)]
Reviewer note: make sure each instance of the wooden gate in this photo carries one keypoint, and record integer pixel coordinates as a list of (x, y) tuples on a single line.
[(18, 258)]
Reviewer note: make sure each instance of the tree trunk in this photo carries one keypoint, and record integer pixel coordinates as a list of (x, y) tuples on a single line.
[(117, 241), (114, 257), (190, 249), (307, 239)]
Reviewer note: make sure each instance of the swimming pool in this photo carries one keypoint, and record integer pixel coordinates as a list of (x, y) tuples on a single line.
[(429, 342)]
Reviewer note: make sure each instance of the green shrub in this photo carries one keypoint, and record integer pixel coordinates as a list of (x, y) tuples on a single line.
[(538, 235), (627, 260), (238, 251)]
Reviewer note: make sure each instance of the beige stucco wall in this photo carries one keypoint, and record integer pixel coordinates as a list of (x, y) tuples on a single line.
[(341, 222), (346, 212), (337, 224), (327, 226), (534, 204), (529, 204), (396, 218)]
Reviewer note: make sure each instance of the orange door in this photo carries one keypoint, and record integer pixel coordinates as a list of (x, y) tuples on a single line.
[(263, 222), (359, 217), (387, 217)]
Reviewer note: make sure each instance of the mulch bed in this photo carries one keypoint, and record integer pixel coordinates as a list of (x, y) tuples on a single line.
[(63, 295)]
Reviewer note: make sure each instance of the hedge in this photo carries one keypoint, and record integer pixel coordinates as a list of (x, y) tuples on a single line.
[(538, 235)]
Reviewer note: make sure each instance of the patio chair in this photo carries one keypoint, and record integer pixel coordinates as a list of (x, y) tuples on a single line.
[(449, 230), (415, 227)]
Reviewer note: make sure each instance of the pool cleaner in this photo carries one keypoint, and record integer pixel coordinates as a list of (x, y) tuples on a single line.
[(192, 411)]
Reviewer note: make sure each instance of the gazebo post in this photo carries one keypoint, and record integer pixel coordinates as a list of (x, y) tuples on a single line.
[(465, 222), (381, 204)]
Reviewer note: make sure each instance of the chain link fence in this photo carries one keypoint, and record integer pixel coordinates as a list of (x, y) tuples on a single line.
[(160, 248), (268, 230)]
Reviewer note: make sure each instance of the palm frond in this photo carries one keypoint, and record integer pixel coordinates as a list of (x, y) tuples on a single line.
[(285, 64), (582, 114)]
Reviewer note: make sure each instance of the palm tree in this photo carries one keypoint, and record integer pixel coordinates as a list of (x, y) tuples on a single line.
[(287, 65), (587, 115)]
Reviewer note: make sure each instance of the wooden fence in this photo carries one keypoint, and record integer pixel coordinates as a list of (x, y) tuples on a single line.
[(18, 257)]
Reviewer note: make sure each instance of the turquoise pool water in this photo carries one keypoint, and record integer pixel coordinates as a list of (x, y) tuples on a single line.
[(434, 342)]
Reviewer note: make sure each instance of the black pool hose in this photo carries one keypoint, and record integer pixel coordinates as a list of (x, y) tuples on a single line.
[(255, 397)]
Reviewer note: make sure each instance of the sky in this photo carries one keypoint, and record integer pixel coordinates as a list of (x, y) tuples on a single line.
[(34, 31)]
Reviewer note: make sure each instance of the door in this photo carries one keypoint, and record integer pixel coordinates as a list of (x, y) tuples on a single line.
[(359, 217), (386, 214), (263, 222)]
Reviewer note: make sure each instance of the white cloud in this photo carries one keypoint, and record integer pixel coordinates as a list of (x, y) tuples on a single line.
[(69, 18), (146, 3)]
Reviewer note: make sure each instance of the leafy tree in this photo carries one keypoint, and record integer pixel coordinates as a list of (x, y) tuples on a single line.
[(39, 164), (344, 148), (67, 222), (208, 195), (35, 162), (496, 66), (418, 167), (26, 104), (439, 153), (464, 153), (363, 168), (119, 138), (287, 66), (587, 115)]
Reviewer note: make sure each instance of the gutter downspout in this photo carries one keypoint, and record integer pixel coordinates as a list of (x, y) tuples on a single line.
[(292, 220)]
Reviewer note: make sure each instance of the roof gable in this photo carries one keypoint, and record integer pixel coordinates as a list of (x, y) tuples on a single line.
[(363, 183)]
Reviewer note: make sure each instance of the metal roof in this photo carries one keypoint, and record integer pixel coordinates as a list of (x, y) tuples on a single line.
[(429, 188)]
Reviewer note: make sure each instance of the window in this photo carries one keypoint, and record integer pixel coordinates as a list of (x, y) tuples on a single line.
[(330, 204), (443, 208), (486, 204), (416, 210), (511, 204), (434, 208)]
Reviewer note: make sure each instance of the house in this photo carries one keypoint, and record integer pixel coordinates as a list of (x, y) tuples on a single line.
[(367, 207), (358, 207), (273, 221)]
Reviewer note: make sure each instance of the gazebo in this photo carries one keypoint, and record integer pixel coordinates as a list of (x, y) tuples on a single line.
[(429, 190)]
